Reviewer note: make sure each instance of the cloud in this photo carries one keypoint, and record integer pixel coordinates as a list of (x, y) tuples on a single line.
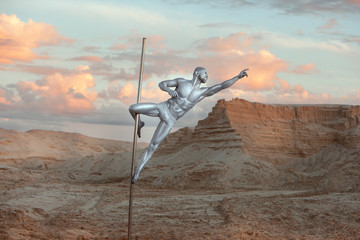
[(331, 23), (160, 60), (91, 49), (299, 32), (313, 7), (4, 98), (223, 25), (305, 69), (127, 93), (353, 97), (336, 46), (223, 4), (296, 94), (284, 84), (18, 39), (224, 57), (58, 94), (119, 13), (88, 58), (352, 39), (227, 56), (236, 42), (42, 70)]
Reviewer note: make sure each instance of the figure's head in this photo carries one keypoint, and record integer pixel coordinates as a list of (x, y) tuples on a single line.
[(201, 74)]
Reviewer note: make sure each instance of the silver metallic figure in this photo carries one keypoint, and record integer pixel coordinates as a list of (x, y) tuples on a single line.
[(186, 95)]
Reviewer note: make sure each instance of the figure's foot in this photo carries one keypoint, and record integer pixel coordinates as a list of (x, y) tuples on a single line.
[(140, 126), (134, 178)]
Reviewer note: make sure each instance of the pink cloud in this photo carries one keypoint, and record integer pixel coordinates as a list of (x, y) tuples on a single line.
[(331, 23), (297, 94), (224, 57), (352, 39), (227, 56), (3, 98), (43, 69), (91, 49), (235, 42), (127, 93), (127, 42), (263, 65), (88, 58), (59, 94), (284, 84), (18, 39), (305, 69), (156, 42), (353, 96), (288, 95), (284, 93), (353, 1)]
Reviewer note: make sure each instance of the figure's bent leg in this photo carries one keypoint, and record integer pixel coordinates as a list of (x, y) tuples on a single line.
[(150, 109), (160, 134), (141, 124)]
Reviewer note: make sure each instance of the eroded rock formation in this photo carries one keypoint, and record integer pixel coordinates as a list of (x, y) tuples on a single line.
[(274, 133)]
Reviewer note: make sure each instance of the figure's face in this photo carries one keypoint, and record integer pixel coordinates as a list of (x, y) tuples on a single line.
[(203, 76)]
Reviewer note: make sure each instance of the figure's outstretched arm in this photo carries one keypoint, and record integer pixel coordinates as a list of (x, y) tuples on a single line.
[(165, 86), (218, 87)]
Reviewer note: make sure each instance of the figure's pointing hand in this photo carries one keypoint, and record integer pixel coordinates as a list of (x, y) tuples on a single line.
[(243, 73)]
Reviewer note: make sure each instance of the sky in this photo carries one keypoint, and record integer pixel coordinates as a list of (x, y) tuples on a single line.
[(74, 65)]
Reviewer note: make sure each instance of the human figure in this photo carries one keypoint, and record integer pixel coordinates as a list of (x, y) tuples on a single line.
[(186, 95)]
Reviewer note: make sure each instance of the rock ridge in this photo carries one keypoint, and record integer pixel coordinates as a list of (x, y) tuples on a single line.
[(271, 132)]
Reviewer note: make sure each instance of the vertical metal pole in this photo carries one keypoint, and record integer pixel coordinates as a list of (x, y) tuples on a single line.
[(135, 139)]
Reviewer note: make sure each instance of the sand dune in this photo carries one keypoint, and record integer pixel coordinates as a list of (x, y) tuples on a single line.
[(247, 171), (44, 149)]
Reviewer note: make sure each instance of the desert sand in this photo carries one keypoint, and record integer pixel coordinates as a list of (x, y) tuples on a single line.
[(247, 171)]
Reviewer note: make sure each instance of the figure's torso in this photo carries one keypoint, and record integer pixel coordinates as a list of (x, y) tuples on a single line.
[(188, 97)]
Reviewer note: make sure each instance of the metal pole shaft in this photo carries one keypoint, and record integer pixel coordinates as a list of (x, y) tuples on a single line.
[(135, 139)]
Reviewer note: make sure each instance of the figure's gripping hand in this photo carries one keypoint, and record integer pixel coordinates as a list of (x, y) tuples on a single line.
[(243, 73), (173, 94)]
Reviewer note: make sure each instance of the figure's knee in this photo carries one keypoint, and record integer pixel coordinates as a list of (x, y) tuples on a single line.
[(132, 108), (152, 147)]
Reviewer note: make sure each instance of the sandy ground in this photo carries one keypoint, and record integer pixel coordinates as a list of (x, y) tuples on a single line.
[(36, 204)]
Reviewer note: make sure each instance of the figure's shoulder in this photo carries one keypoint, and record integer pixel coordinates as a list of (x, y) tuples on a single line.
[(176, 82), (181, 80)]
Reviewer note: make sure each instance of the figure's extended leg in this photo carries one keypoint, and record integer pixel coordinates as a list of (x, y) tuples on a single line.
[(150, 109), (160, 134)]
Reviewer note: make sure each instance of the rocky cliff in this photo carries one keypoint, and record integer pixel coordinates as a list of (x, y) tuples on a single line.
[(274, 133)]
